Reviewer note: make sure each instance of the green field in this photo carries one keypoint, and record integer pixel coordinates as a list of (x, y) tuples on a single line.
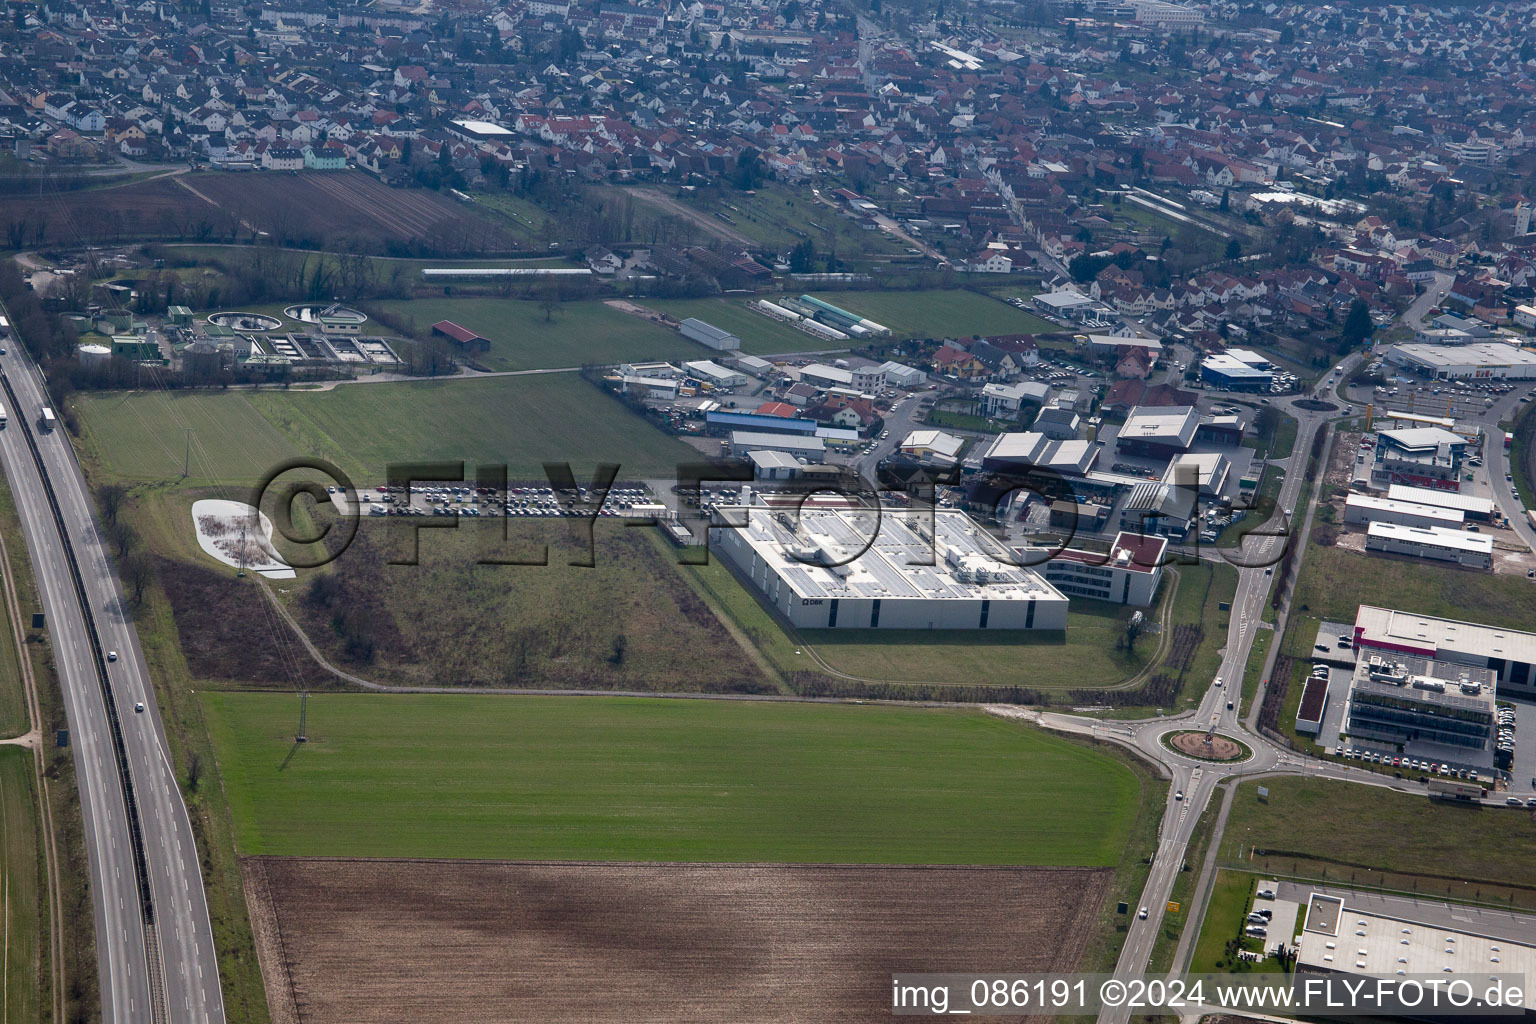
[(1083, 655), (1231, 896), (237, 436), (21, 887), (1371, 836), (1334, 582), (577, 333), (661, 780), (760, 335)]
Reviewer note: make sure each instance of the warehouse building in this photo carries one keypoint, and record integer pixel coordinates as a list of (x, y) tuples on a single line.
[(1158, 431), (709, 335), (713, 373), (1129, 573), (1231, 371), (1210, 472), (1509, 653), (811, 449), (1159, 509), (1400, 699), (1478, 359), (721, 420), (1020, 452), (1469, 549), (1364, 509), (1064, 305), (838, 567), (1370, 935), (899, 375), (1470, 505)]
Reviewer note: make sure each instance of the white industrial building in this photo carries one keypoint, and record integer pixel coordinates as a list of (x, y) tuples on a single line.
[(665, 371), (1470, 505), (1208, 471), (899, 375), (811, 449), (1364, 509), (1355, 934), (1508, 653), (864, 378), (1158, 430), (1067, 303), (713, 373), (1129, 573), (830, 566), (1482, 359), (709, 335), (1020, 452), (1469, 549)]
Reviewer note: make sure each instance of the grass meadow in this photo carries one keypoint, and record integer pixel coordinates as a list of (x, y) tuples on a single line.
[(661, 780), (237, 436)]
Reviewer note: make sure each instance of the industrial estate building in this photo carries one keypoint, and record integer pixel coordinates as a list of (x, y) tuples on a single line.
[(709, 335), (1021, 452), (1158, 431), (1469, 549), (1427, 457), (831, 566), (1364, 509), (1238, 370), (1355, 934), (1129, 573), (1401, 699), (1471, 506), (1509, 653), (1478, 359)]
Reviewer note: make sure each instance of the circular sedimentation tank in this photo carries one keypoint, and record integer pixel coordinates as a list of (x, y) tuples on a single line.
[(237, 321), (311, 312)]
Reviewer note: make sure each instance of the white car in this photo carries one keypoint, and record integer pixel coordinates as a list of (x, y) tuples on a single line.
[(138, 708), (1142, 913), (111, 655)]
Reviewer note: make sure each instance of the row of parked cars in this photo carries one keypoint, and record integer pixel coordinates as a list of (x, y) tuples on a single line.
[(1409, 763), (451, 500), (1506, 724)]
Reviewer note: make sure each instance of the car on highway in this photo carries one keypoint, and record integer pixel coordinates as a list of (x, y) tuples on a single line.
[(138, 707), (1229, 705), (1179, 795), (1514, 801), (111, 655), (1142, 914)]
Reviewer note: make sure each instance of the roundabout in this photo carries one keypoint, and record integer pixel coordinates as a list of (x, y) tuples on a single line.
[(1204, 747)]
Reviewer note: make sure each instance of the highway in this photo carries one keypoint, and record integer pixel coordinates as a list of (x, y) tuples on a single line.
[(173, 954)]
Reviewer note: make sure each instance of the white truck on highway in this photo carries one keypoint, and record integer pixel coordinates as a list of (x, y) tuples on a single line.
[(47, 419), (2, 415)]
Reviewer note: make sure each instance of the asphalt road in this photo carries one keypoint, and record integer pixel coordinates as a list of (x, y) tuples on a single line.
[(182, 933)]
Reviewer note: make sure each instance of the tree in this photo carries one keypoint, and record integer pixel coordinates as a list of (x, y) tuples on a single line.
[(1357, 325), (1226, 200), (1234, 248), (1133, 630), (110, 498), (549, 301), (136, 575)]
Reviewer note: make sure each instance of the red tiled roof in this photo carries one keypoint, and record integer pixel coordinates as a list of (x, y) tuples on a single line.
[(462, 335)]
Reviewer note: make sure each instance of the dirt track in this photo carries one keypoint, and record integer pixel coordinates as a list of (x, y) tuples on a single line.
[(370, 942), (677, 208)]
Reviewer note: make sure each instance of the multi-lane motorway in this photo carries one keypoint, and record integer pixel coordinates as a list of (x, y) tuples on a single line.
[(154, 966)]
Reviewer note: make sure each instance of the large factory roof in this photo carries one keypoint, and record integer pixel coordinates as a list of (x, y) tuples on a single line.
[(828, 552), (1426, 635)]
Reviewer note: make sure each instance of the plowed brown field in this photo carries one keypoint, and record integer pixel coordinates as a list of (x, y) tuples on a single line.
[(378, 942)]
